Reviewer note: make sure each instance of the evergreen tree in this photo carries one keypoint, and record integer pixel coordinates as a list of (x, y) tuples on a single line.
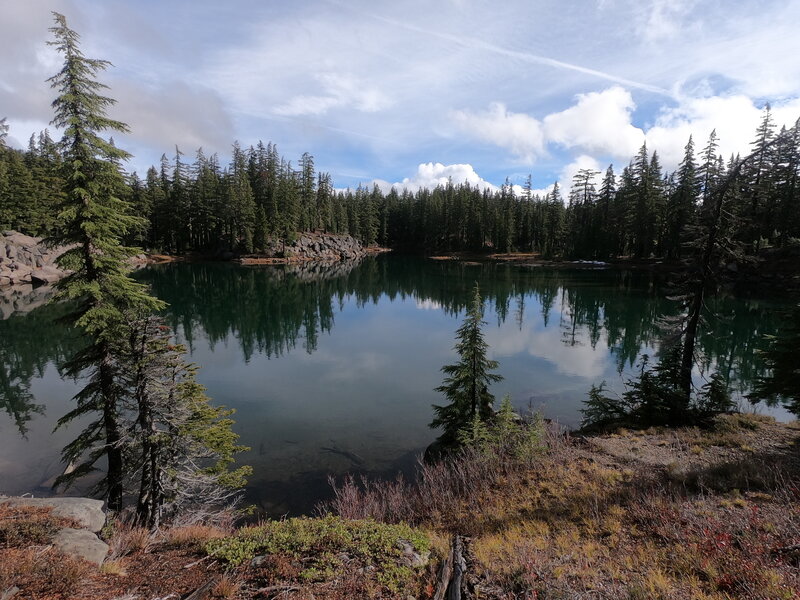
[(682, 203), (183, 446), (94, 221), (466, 384)]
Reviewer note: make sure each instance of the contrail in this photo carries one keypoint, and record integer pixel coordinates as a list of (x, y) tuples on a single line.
[(470, 42)]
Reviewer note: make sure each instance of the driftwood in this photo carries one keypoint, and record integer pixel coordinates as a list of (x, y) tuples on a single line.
[(445, 572), (201, 592), (459, 570), (451, 582)]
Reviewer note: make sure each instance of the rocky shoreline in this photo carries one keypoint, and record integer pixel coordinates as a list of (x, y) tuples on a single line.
[(309, 246), (27, 260)]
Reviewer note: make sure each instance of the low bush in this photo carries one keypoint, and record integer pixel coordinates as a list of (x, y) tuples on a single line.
[(326, 544)]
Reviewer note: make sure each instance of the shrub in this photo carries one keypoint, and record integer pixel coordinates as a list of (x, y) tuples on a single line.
[(655, 399), (325, 543)]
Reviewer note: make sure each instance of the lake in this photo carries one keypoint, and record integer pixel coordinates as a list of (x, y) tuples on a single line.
[(331, 369)]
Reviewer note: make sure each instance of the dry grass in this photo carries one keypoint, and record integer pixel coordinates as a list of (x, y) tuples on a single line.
[(226, 587), (128, 539), (25, 525), (194, 535), (114, 567), (42, 572), (579, 523)]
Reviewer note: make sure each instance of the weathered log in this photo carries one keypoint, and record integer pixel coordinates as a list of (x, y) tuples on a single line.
[(445, 572), (202, 592), (459, 570)]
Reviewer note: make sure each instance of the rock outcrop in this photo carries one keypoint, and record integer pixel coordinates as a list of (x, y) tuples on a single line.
[(315, 246), (26, 260), (88, 513)]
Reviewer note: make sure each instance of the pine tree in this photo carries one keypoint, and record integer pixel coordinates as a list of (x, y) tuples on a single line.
[(683, 200), (94, 221), (466, 384)]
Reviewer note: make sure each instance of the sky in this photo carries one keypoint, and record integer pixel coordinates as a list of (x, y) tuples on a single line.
[(412, 92)]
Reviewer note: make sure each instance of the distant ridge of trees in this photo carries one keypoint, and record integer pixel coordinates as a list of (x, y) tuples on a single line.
[(642, 211)]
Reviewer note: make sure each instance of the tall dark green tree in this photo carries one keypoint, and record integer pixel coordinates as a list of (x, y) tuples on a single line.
[(466, 384), (94, 220), (682, 203)]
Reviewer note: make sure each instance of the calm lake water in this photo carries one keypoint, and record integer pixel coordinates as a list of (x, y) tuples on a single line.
[(332, 368)]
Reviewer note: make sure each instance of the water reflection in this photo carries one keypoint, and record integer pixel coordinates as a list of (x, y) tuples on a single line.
[(30, 338), (332, 368)]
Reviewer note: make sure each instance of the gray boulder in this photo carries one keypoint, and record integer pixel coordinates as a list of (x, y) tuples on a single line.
[(81, 543), (86, 511), (46, 275)]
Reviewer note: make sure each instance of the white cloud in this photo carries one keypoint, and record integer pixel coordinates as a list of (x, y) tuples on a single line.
[(428, 304), (519, 133), (600, 122), (735, 119), (599, 126), (579, 360), (661, 20), (429, 175)]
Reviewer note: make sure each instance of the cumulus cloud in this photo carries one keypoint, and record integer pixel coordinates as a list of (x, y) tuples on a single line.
[(599, 122), (519, 133), (580, 360), (429, 175), (599, 127), (735, 119)]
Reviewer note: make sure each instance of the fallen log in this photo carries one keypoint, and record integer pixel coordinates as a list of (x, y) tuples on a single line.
[(459, 570), (202, 592), (443, 580)]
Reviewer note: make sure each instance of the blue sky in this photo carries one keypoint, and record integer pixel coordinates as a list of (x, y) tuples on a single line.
[(411, 92)]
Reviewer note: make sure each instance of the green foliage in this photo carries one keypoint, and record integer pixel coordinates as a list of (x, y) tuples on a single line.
[(644, 212), (466, 384), (147, 414), (655, 398), (94, 221), (320, 544), (506, 434)]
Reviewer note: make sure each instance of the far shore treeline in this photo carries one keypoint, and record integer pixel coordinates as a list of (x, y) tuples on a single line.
[(195, 204)]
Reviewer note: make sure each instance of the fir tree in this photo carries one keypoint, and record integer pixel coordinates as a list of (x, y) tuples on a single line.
[(94, 221), (466, 384)]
